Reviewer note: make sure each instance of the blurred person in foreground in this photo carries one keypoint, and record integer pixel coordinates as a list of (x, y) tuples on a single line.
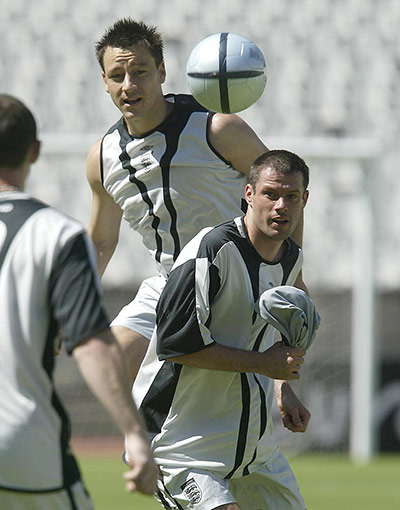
[(169, 167), (207, 383), (49, 287)]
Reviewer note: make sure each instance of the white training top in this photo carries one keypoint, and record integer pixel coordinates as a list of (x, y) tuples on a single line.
[(48, 283), (170, 183), (209, 419)]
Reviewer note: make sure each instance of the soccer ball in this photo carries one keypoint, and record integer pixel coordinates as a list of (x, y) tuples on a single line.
[(226, 72)]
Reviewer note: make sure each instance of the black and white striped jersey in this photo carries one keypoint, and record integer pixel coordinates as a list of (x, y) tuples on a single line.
[(170, 183), (48, 283), (215, 420)]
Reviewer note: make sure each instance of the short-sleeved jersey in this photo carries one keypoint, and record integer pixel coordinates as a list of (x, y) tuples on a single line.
[(48, 287), (170, 183), (211, 419)]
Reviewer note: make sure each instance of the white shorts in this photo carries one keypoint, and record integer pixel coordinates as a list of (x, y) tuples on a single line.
[(140, 314), (74, 498), (272, 487)]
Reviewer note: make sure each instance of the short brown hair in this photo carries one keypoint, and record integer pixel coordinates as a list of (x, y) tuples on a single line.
[(127, 32), (17, 131), (281, 160)]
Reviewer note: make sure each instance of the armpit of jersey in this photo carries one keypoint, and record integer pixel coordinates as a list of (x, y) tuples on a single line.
[(182, 317)]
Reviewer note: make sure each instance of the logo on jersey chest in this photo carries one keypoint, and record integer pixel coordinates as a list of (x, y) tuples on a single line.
[(192, 491), (143, 164)]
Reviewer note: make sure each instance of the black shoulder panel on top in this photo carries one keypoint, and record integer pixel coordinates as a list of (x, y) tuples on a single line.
[(116, 125), (213, 241), (187, 101), (13, 214)]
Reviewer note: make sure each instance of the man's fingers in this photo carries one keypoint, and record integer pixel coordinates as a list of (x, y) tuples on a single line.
[(293, 423), (130, 486), (143, 481)]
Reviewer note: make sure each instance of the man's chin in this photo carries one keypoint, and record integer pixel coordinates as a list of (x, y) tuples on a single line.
[(280, 234)]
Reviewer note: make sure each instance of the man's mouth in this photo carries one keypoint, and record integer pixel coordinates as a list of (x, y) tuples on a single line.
[(132, 102), (279, 221)]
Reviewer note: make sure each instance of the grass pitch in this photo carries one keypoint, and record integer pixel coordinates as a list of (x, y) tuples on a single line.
[(327, 482)]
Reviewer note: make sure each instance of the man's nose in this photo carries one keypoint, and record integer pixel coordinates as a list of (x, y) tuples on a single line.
[(128, 82), (280, 203)]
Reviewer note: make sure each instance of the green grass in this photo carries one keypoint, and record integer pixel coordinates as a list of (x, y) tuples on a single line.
[(103, 476), (327, 482), (330, 482)]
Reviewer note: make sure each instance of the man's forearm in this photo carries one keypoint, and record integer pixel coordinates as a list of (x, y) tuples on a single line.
[(220, 357), (104, 253), (277, 362), (101, 364)]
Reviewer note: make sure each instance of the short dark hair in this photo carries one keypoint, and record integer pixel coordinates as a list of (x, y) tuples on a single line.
[(17, 131), (281, 160), (127, 32)]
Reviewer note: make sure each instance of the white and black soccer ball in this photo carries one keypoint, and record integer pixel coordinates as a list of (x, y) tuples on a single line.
[(226, 72)]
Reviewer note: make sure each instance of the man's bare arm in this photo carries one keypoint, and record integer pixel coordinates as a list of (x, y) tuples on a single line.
[(277, 362), (103, 368), (236, 141), (105, 219)]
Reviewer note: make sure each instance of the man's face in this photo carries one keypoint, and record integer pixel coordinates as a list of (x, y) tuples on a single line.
[(276, 203), (133, 80)]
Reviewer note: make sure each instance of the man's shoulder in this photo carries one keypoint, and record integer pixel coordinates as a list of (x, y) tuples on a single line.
[(186, 102), (213, 239), (36, 223), (22, 203), (47, 217), (119, 126)]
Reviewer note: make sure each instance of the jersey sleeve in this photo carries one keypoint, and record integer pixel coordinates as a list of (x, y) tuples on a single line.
[(184, 309), (75, 295)]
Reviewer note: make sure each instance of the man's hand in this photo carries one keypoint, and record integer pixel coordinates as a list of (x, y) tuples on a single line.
[(295, 416), (283, 362), (144, 472)]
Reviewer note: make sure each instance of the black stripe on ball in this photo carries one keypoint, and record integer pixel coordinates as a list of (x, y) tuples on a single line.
[(226, 75), (223, 81)]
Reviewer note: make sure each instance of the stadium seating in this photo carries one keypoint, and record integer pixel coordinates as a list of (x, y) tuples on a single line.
[(333, 74)]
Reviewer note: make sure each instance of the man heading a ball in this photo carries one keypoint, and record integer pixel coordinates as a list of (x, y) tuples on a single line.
[(168, 166)]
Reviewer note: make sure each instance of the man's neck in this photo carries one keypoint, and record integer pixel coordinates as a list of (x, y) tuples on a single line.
[(141, 126), (11, 180), (270, 250)]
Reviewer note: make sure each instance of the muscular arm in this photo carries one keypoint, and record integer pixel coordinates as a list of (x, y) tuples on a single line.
[(103, 368), (277, 362), (234, 139), (105, 216)]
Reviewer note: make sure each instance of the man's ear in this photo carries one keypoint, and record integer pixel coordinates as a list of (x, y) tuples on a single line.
[(248, 193), (104, 81), (34, 152), (162, 72), (305, 197)]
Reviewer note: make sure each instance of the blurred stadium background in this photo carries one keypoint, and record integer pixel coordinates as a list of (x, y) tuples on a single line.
[(333, 96)]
